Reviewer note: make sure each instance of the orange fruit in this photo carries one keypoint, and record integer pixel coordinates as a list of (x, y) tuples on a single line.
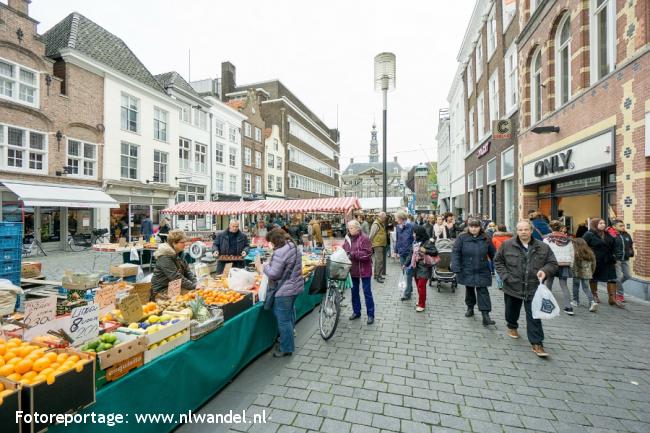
[(45, 372), (55, 365), (5, 393), (61, 357), (30, 375), (51, 378), (2, 386), (23, 366), (15, 377), (3, 349), (25, 381), (41, 364), (79, 366), (15, 360), (39, 378), (72, 358), (25, 350), (8, 356), (16, 341), (51, 356), (6, 370)]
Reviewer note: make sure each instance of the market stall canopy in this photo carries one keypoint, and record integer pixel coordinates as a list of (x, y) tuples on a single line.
[(375, 203), (61, 195), (325, 205)]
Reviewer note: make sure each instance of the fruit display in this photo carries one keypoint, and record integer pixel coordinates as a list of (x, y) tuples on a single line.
[(199, 309), (116, 315), (214, 297), (104, 342), (167, 340), (5, 391), (153, 323), (30, 364), (172, 305)]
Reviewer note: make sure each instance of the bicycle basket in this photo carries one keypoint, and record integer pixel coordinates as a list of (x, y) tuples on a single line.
[(338, 271)]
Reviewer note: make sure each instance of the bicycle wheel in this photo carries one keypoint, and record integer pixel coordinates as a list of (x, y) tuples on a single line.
[(74, 246), (330, 312)]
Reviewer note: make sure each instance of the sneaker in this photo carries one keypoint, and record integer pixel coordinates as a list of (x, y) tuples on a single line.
[(569, 311), (593, 307), (370, 320), (355, 316), (538, 350), (280, 354), (419, 309), (575, 304), (512, 333)]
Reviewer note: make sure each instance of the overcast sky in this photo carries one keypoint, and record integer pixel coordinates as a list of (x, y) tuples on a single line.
[(322, 51)]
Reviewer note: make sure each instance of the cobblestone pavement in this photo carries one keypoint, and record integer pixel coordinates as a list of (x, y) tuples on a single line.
[(439, 371), (56, 262)]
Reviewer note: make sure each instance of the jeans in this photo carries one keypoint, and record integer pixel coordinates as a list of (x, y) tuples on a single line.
[(577, 282), (285, 314), (566, 298), (533, 326), (380, 261), (480, 294), (622, 275), (367, 295), (409, 275)]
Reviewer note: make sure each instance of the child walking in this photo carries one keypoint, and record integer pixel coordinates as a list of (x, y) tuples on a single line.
[(584, 265), (422, 262)]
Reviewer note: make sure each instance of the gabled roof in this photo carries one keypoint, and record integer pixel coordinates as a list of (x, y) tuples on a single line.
[(79, 33), (174, 79)]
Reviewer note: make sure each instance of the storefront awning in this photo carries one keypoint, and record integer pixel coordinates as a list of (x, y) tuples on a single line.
[(325, 205), (61, 196)]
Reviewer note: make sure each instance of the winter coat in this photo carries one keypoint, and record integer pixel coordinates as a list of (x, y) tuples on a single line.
[(277, 268), (518, 268), (583, 269), (623, 246), (562, 248), (365, 227), (359, 250), (498, 238), (603, 249), (404, 241), (222, 244), (540, 228), (316, 233), (469, 260), (170, 267), (429, 229), (418, 261), (146, 228)]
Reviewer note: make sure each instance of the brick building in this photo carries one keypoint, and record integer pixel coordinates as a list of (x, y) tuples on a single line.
[(488, 56), (583, 142), (51, 134)]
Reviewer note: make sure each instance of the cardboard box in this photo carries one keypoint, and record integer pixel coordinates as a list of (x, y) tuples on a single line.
[(167, 331), (124, 270), (9, 405), (234, 308), (30, 269), (130, 346), (150, 355), (185, 313)]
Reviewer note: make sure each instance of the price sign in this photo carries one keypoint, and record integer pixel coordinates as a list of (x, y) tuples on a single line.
[(40, 314), (84, 323), (106, 295), (131, 308), (174, 288), (226, 269)]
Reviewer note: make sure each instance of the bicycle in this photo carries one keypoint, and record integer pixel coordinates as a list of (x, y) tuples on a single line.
[(32, 245), (330, 307), (84, 241)]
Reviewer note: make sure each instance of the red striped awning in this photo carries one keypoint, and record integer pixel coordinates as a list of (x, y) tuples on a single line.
[(326, 205), (211, 208)]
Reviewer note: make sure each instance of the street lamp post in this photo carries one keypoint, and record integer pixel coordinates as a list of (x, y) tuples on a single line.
[(385, 81)]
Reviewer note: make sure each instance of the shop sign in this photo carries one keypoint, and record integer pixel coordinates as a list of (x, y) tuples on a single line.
[(554, 164), (502, 130), (483, 150)]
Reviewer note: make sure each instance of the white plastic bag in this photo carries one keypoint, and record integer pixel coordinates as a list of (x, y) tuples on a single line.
[(340, 256), (134, 257), (544, 305), (402, 283), (264, 285), (241, 279)]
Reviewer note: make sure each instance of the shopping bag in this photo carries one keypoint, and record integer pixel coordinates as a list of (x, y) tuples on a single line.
[(240, 279), (340, 256), (402, 283), (544, 305), (134, 256), (264, 285)]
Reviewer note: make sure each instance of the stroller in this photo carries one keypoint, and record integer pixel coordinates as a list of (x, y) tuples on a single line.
[(442, 272)]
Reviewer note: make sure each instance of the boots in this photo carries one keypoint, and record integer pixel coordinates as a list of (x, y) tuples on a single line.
[(594, 290), (611, 295), (486, 319), (469, 312)]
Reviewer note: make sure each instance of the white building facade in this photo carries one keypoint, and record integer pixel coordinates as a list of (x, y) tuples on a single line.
[(274, 168), (456, 148)]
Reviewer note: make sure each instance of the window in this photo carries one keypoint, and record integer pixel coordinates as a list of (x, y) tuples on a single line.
[(247, 130), (491, 34), (480, 113), (232, 135), (479, 201), (258, 160), (304, 183), (494, 97), (185, 112), (509, 9), (480, 177), (602, 37), (563, 62), (472, 139), (233, 183), (298, 131), (160, 124), (470, 199), (270, 183), (279, 163), (479, 58), (275, 144), (508, 163), (200, 118), (258, 134), (536, 88), (470, 181), (299, 157), (200, 151), (129, 161), (278, 184), (247, 156), (219, 181), (82, 158), (188, 192), (509, 204), (270, 160), (159, 166), (511, 78), (218, 128), (184, 151), (130, 109), (470, 79), (18, 83), (232, 157), (247, 182), (219, 152), (258, 185), (25, 150), (492, 171)]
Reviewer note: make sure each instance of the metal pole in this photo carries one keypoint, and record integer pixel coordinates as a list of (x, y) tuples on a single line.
[(384, 171)]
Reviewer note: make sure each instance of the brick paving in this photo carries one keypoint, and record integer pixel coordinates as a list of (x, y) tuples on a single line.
[(439, 371)]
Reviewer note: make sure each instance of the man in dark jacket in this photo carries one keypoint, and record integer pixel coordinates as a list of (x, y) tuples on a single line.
[(522, 262), (403, 248), (428, 226), (231, 242), (623, 250)]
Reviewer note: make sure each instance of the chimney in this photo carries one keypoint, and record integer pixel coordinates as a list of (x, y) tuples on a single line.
[(395, 158), (351, 160), (21, 6), (228, 79)]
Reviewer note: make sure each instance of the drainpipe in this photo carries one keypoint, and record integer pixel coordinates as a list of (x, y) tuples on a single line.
[(211, 174)]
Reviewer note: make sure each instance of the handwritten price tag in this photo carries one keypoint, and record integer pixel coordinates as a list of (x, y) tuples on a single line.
[(174, 289), (84, 323), (106, 295), (40, 311), (131, 308)]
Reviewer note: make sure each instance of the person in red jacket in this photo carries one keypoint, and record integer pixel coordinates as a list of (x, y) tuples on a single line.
[(498, 238), (359, 249)]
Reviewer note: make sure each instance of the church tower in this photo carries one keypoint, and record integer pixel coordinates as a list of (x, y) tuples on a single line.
[(374, 146)]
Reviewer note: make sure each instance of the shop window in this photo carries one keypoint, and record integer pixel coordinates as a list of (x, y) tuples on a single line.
[(470, 181), (544, 189), (508, 163), (50, 224), (509, 204), (480, 177), (480, 202), (492, 171), (80, 221)]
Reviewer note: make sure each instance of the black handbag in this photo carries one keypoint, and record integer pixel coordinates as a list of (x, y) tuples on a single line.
[(319, 281)]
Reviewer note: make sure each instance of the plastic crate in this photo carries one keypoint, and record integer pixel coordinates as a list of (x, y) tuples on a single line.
[(11, 229), (14, 277), (11, 242), (11, 266), (10, 255)]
